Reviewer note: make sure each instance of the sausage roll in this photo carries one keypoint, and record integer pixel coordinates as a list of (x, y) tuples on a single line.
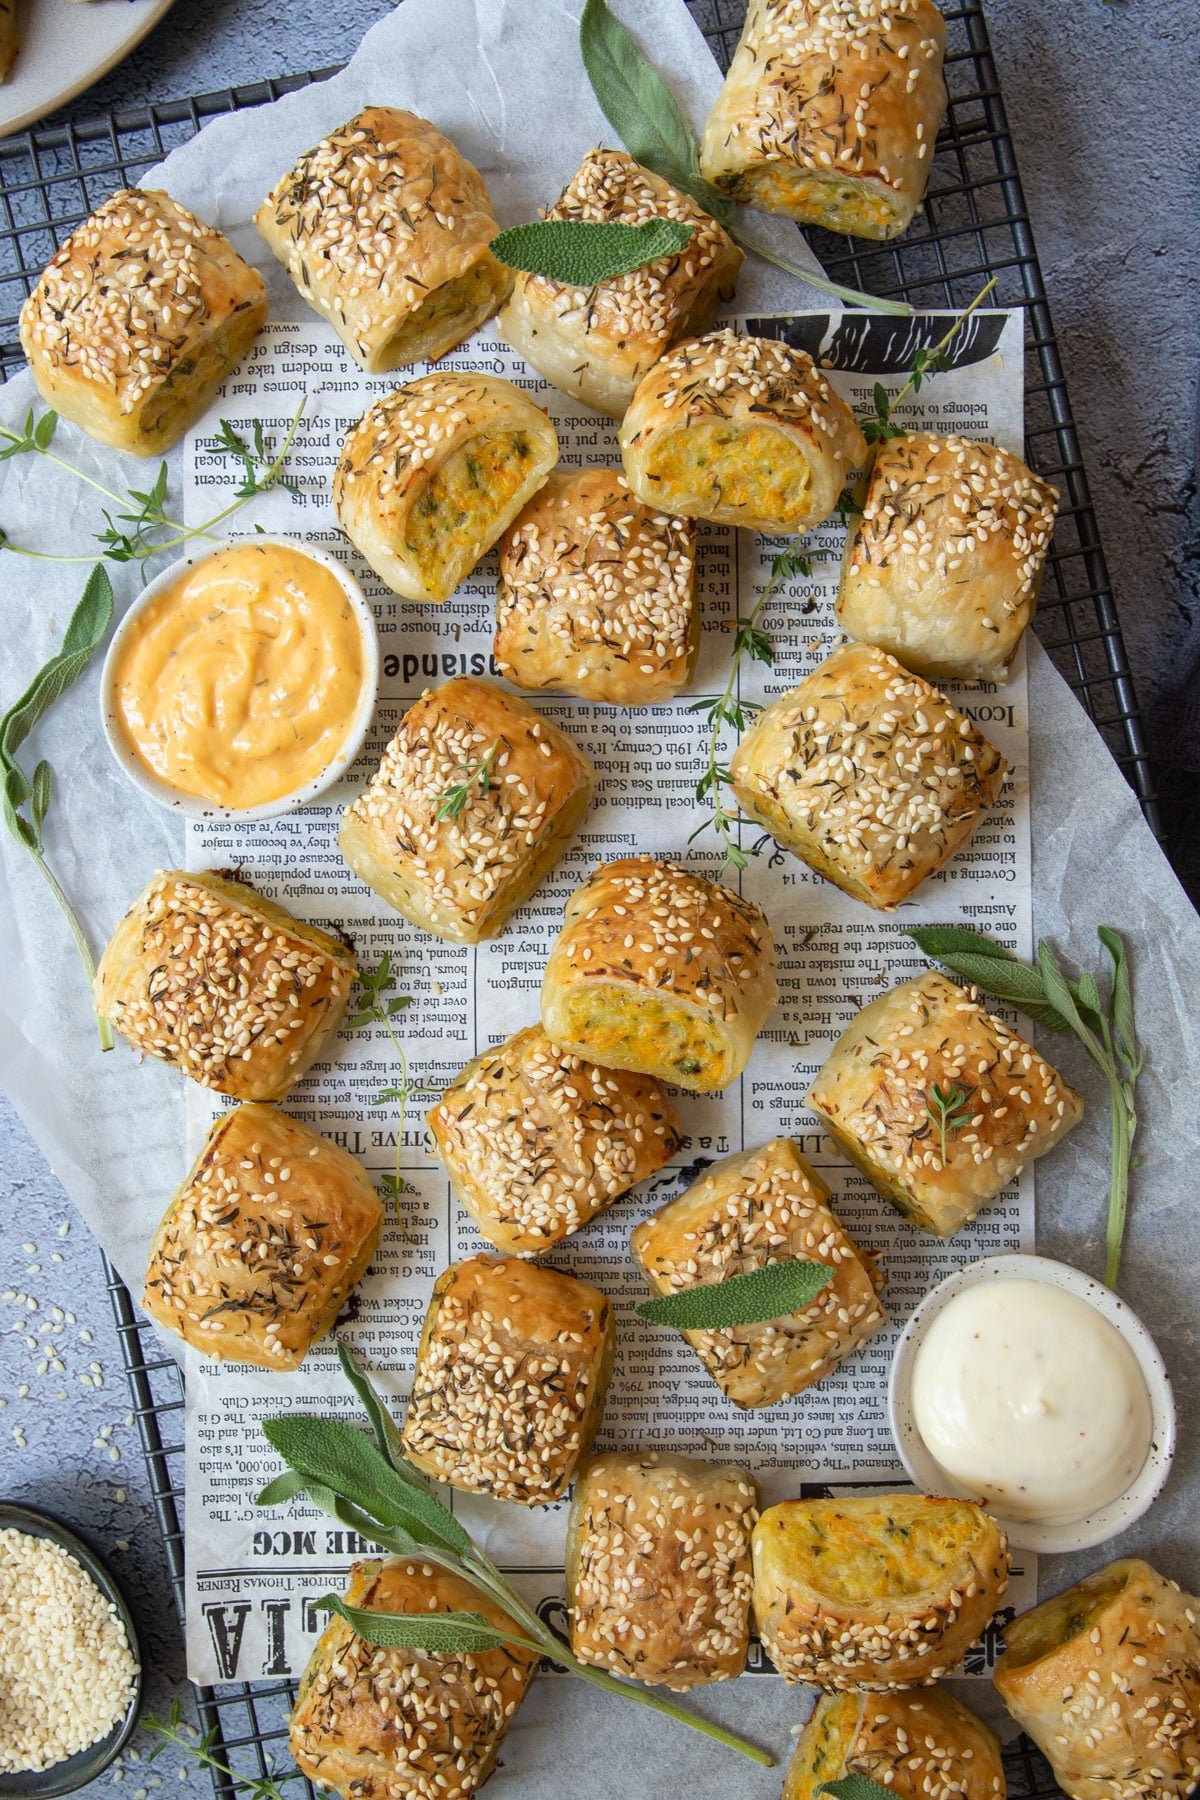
[(830, 111), (597, 594), (224, 984), (432, 475), (511, 1374), (538, 1142), (868, 775), (377, 1724), (943, 566), (477, 796), (917, 1744), (10, 36), (658, 1568), (765, 1206), (742, 431), (1105, 1678), (384, 227), (596, 343), (939, 1103), (263, 1242), (660, 971), (138, 319), (875, 1593)]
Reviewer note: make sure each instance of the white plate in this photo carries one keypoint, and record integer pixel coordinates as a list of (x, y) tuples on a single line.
[(65, 48)]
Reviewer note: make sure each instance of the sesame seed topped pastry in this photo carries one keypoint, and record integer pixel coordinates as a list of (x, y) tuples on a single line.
[(931, 1041), (919, 1744), (538, 1142), (597, 343), (1105, 1678), (511, 1374), (138, 319), (660, 971), (870, 1594), (432, 475), (760, 1207), (868, 774), (597, 594), (740, 430), (658, 1568), (943, 565), (384, 227), (829, 112), (224, 984), (476, 798), (263, 1242), (388, 1724)]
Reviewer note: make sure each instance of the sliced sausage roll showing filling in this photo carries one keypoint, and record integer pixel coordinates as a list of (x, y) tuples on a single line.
[(917, 1744)]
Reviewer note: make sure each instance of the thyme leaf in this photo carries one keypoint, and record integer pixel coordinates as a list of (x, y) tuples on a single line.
[(173, 1730), (376, 1004), (928, 359), (949, 1111), (452, 803)]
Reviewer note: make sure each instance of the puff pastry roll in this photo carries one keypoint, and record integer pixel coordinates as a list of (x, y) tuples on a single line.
[(538, 1142), (224, 984), (942, 567), (511, 1375), (868, 774), (919, 1744), (875, 1097), (263, 1242), (658, 1568), (477, 796), (829, 112), (384, 227), (871, 1594), (597, 343), (138, 319), (660, 971), (432, 475), (740, 430), (10, 36), (376, 1724), (1105, 1678), (597, 594), (764, 1206)]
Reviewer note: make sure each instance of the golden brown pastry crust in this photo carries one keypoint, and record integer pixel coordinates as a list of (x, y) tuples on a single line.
[(538, 1142), (829, 112), (764, 1206), (375, 1724), (919, 1744), (263, 1242), (137, 319), (510, 1380), (873, 1097), (10, 36), (658, 1568), (596, 344), (868, 774), (384, 227), (461, 876), (597, 594), (224, 984)]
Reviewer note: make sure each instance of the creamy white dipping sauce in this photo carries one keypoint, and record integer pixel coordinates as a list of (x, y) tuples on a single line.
[(1031, 1401)]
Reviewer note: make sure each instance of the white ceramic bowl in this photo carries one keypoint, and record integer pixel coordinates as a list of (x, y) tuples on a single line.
[(929, 1476), (193, 806)]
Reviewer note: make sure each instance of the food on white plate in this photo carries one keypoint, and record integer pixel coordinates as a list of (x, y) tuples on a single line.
[(742, 431), (384, 227), (476, 798), (660, 971), (597, 343), (271, 1230), (137, 319), (764, 1206), (597, 594), (225, 985), (10, 36), (829, 112), (868, 1594), (658, 1568), (432, 475), (939, 1103), (916, 1743)]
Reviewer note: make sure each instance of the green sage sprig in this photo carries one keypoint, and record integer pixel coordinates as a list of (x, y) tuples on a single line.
[(855, 1787), (582, 252), (773, 1292)]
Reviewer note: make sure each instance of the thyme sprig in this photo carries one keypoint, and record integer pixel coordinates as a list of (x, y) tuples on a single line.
[(452, 803), (376, 1004), (173, 1731), (928, 359), (949, 1112)]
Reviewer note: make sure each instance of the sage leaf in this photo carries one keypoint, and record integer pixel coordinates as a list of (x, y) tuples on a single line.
[(39, 794), (582, 252), (770, 1293), (1122, 996), (1058, 993), (1001, 977), (855, 1787), (441, 1633), (387, 1436), (86, 629), (942, 941)]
